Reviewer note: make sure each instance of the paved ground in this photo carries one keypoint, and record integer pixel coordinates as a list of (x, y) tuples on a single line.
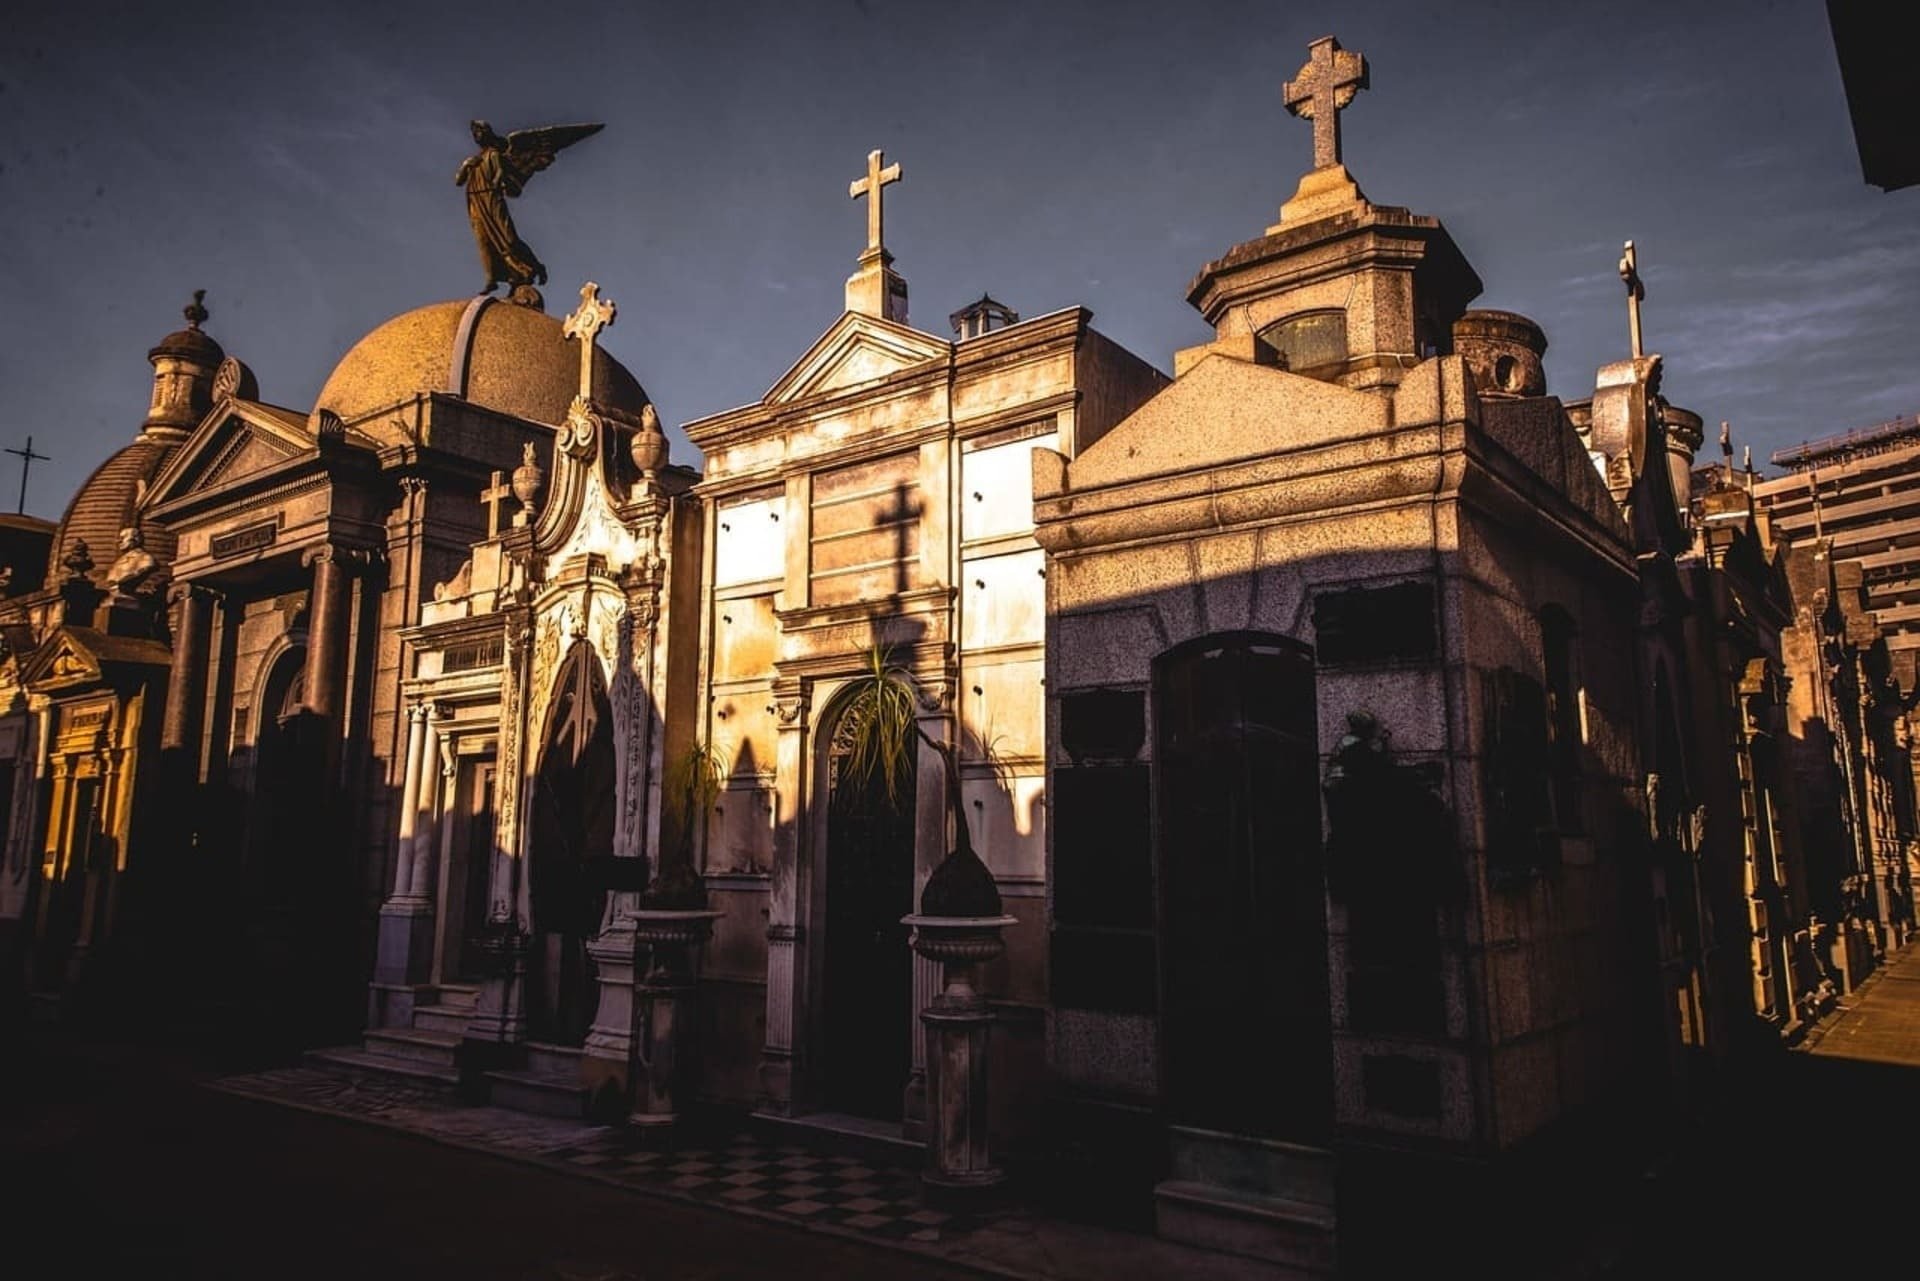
[(1811, 1168), (147, 1164), (113, 1174)]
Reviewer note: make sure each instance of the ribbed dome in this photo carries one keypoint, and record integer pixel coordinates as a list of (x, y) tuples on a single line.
[(104, 506), (508, 358)]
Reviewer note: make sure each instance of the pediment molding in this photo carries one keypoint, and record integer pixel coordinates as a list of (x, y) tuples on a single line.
[(855, 351)]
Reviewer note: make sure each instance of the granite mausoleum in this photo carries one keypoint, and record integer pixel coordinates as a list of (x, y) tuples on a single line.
[(1390, 777)]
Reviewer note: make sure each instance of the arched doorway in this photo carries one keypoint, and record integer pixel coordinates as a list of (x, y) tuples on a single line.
[(868, 994), (298, 882), (1246, 1028), (572, 830)]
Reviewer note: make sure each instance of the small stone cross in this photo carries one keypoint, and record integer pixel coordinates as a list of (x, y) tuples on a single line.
[(1630, 275), (869, 187), (595, 313), (1322, 89), (496, 493)]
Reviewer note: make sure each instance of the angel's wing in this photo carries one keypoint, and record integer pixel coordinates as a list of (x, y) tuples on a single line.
[(532, 149)]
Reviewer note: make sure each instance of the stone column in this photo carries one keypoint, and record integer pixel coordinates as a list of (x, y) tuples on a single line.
[(409, 803), (187, 679), (405, 949), (958, 1153), (784, 931), (327, 623), (426, 825)]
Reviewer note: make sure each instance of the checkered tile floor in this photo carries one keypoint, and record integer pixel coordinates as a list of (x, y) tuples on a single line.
[(733, 1171), (783, 1180)]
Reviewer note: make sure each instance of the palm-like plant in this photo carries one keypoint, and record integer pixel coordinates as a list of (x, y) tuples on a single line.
[(691, 786), (882, 708)]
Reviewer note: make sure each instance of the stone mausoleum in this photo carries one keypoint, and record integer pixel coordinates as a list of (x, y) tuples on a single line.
[(1317, 811)]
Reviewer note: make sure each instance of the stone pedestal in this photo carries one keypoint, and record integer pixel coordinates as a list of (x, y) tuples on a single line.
[(957, 1022), (664, 1025), (402, 958)]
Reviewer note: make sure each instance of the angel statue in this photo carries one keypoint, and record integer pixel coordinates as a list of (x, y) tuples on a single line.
[(498, 170)]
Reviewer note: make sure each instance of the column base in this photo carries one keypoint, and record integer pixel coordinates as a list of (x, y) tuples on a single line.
[(405, 947)]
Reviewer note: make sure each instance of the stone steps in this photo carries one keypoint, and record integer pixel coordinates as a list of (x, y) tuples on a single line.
[(542, 1093), (449, 1019), (1298, 1234), (358, 1063), (434, 1049)]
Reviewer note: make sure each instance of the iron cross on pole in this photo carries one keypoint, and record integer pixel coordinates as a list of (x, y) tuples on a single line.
[(595, 313), (26, 455), (1322, 89), (1630, 276), (870, 187)]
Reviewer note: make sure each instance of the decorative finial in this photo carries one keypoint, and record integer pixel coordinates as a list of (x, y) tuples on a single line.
[(1322, 90), (1726, 439), (195, 311), (594, 314)]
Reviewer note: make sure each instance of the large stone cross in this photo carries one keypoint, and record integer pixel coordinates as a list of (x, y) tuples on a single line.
[(1322, 89), (870, 187), (491, 497), (1630, 276), (595, 313)]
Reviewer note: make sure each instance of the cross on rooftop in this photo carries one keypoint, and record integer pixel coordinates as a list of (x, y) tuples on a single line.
[(26, 455), (492, 496), (1630, 276), (870, 187), (594, 314), (1322, 89)]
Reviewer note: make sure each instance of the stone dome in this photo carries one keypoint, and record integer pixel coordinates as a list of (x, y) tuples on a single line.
[(496, 354), (1504, 351), (105, 504)]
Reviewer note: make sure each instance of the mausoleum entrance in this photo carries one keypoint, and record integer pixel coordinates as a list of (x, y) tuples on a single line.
[(1246, 1029), (572, 838), (868, 993)]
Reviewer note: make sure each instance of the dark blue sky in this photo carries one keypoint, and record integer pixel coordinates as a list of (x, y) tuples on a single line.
[(297, 162)]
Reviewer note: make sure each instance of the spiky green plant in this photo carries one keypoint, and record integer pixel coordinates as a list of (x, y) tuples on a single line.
[(882, 708)]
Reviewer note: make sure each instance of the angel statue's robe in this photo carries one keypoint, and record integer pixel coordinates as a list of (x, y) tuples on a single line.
[(490, 177)]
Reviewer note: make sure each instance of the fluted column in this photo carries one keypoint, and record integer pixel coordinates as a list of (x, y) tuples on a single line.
[(409, 803), (187, 678), (426, 827)]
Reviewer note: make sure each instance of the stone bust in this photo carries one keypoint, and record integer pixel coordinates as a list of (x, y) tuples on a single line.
[(134, 573)]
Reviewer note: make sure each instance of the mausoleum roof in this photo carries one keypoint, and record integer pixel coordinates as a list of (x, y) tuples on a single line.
[(105, 504), (505, 357)]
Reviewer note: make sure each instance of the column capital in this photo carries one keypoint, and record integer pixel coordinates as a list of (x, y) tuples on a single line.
[(185, 589), (351, 559)]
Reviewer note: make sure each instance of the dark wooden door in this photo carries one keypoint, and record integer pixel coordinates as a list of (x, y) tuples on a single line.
[(869, 967), (1245, 1030)]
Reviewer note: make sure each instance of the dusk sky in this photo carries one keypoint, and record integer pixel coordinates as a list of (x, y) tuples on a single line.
[(297, 163)]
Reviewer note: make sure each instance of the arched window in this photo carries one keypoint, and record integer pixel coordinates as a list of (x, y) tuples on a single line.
[(1312, 343)]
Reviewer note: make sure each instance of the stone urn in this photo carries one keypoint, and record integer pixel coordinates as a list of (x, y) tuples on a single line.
[(528, 477), (649, 445), (958, 927), (665, 1025)]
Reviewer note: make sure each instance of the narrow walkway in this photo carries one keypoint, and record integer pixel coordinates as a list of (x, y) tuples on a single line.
[(1879, 1023), (774, 1182)]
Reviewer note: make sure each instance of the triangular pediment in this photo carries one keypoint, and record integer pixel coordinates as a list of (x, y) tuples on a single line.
[(857, 349), (238, 439), (64, 660), (1225, 410)]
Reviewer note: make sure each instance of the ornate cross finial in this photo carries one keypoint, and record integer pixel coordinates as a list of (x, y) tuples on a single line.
[(870, 187), (491, 497), (1630, 276), (595, 313), (1322, 89)]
